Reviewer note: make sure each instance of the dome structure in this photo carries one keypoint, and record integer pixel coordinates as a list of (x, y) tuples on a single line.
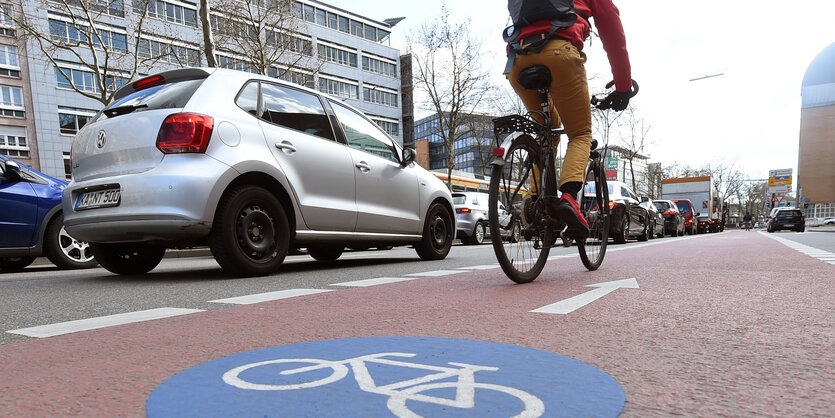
[(818, 87)]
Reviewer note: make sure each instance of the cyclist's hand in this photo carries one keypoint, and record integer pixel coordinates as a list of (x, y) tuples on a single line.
[(617, 100)]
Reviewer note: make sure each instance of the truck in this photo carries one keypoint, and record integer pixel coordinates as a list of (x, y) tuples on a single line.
[(698, 190)]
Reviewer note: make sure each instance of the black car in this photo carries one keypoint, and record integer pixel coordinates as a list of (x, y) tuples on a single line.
[(629, 218), (703, 224), (673, 219), (786, 218), (656, 219)]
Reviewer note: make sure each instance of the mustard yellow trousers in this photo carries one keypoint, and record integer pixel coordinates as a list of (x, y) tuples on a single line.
[(570, 105)]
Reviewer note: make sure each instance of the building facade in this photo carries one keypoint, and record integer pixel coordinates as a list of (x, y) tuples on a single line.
[(472, 148), (354, 62), (816, 156)]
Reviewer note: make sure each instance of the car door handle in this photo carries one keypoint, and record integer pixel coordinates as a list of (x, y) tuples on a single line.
[(286, 146), (363, 166)]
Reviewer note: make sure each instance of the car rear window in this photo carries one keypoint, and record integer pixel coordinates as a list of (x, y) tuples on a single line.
[(684, 207), (459, 199), (166, 96), (788, 213), (662, 206)]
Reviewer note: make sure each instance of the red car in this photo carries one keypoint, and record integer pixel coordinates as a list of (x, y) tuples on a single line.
[(686, 209)]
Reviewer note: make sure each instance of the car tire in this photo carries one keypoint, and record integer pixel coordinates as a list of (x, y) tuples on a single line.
[(624, 233), (478, 234), (8, 265), (644, 235), (325, 253), (651, 231), (65, 251), (251, 234), (130, 258), (515, 233), (437, 234)]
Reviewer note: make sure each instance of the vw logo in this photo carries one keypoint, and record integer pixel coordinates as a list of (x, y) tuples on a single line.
[(101, 139)]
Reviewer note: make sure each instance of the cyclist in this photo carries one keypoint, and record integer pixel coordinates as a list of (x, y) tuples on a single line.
[(551, 33), (747, 220)]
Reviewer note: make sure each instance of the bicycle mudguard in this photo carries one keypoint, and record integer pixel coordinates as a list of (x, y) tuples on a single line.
[(505, 145)]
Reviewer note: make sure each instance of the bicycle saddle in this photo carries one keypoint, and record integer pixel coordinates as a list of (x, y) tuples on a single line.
[(537, 77)]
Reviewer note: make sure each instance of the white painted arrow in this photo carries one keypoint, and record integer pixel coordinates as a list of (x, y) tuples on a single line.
[(573, 303)]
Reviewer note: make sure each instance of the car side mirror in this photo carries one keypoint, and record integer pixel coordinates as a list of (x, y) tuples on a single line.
[(408, 156), (11, 170)]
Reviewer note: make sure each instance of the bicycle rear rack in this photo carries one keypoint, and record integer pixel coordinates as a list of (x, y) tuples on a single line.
[(515, 123)]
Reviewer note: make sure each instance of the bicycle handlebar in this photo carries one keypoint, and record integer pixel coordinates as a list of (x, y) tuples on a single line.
[(598, 103)]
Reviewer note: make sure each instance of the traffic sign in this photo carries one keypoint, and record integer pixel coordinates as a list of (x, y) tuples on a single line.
[(380, 376)]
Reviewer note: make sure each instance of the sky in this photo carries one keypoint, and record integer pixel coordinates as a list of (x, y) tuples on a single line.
[(749, 116)]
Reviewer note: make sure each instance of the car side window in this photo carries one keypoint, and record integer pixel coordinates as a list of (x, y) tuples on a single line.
[(248, 98), (363, 134), (295, 109)]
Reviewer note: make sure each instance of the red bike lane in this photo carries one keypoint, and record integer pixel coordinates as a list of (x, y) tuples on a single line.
[(723, 324)]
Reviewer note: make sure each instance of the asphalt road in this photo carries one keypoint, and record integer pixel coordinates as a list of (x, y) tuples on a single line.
[(735, 323)]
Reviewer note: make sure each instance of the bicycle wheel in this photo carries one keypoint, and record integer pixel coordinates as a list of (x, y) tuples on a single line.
[(596, 211), (516, 185)]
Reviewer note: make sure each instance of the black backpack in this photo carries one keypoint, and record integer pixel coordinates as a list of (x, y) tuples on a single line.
[(561, 13)]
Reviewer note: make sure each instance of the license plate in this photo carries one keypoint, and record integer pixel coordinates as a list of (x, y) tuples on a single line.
[(789, 225), (98, 199)]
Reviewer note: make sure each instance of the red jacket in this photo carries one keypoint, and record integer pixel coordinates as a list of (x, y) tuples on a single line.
[(607, 21)]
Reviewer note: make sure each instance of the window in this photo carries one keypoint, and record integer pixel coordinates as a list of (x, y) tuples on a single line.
[(179, 12), (85, 80), (74, 34), (6, 23), (391, 127), (300, 78), (374, 65), (339, 56), (234, 63), (248, 98), (175, 54), (364, 135), (11, 102), (295, 109), (345, 89), (378, 95), (13, 141), (9, 65), (71, 119)]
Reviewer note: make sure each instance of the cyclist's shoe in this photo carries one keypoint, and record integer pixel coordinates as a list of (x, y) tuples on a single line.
[(568, 211)]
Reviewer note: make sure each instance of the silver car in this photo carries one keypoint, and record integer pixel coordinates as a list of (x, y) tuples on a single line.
[(471, 218), (250, 166)]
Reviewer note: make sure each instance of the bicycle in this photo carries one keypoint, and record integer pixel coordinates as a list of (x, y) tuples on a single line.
[(524, 178), (398, 392)]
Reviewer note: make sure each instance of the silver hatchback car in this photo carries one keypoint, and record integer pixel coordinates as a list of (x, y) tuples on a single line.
[(250, 166)]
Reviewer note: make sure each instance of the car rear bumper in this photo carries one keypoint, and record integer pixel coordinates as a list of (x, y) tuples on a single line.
[(173, 201)]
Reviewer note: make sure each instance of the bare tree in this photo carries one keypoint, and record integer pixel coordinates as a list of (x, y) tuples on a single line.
[(727, 180), (447, 69), (479, 130), (79, 35), (208, 35), (634, 139), (266, 34)]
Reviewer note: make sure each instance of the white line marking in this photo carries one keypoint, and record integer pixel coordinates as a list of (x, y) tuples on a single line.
[(435, 273), (101, 322), (268, 296), (813, 252), (374, 282), (571, 304), (481, 267)]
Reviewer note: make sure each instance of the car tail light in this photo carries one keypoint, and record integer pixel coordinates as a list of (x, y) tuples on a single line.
[(185, 133), (147, 82), (669, 213), (462, 210)]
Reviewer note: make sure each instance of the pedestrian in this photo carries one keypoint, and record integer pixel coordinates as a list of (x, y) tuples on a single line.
[(551, 33)]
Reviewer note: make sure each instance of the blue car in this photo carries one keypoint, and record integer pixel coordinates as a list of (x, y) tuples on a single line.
[(32, 223)]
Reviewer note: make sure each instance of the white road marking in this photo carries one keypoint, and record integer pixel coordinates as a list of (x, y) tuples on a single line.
[(481, 267), (101, 322), (374, 282), (435, 273), (822, 255), (268, 296), (571, 304)]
